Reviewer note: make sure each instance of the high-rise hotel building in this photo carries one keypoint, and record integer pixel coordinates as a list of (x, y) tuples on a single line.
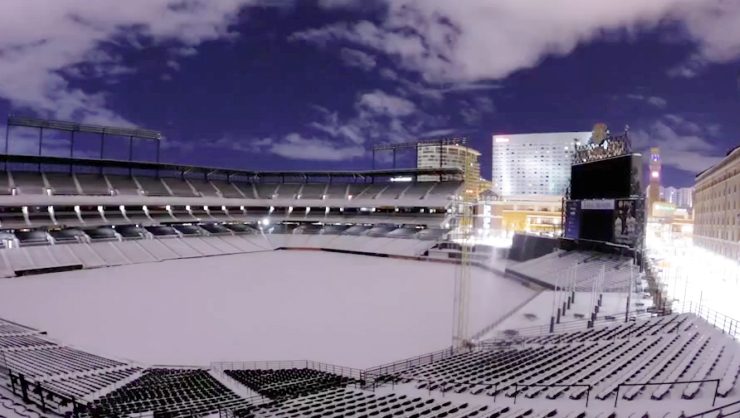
[(534, 164)]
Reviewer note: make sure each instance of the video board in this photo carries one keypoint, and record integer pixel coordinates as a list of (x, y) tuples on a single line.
[(611, 178)]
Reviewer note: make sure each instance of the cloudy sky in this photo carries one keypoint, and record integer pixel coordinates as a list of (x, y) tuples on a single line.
[(315, 83)]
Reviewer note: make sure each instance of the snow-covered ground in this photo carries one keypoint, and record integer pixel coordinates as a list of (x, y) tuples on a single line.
[(694, 276), (350, 310), (538, 311)]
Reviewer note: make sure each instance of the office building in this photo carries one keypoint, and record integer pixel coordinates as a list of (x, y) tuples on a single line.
[(685, 197), (717, 207), (680, 197), (533, 164), (669, 194)]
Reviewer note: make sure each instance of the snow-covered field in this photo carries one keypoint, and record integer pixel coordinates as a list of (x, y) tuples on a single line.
[(350, 310)]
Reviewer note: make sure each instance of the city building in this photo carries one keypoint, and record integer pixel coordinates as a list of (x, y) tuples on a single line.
[(680, 197), (685, 197), (717, 207), (669, 194), (533, 164), (452, 156), (485, 186)]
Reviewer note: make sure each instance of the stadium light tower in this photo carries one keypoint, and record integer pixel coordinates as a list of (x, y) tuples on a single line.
[(461, 303)]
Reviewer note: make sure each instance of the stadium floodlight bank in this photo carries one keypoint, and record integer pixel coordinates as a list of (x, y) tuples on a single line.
[(58, 125)]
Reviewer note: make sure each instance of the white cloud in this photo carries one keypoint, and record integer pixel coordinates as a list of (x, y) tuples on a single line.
[(683, 144), (335, 4), (689, 68), (446, 132), (382, 103), (296, 147), (357, 58), (389, 74), (448, 41), (715, 25), (656, 101), (173, 64), (377, 117), (472, 111), (42, 41)]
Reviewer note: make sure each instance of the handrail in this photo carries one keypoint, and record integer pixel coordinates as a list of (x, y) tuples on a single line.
[(677, 382), (724, 323), (542, 330), (516, 386), (554, 385), (714, 409), (408, 363)]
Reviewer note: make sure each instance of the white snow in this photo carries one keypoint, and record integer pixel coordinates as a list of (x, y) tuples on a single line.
[(534, 316), (351, 310)]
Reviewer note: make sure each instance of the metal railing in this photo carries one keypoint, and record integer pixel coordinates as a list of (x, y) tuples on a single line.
[(676, 382), (554, 385), (723, 408), (569, 326), (723, 322), (412, 362)]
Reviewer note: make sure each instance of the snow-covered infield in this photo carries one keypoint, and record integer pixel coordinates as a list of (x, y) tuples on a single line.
[(352, 310)]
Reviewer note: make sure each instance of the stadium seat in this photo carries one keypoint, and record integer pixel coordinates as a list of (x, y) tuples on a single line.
[(180, 187), (62, 183), (93, 184)]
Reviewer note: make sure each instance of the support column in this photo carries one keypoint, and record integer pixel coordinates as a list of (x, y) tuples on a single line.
[(7, 138), (130, 154), (41, 139)]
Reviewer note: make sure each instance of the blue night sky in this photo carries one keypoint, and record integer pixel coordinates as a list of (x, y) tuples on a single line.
[(310, 84)]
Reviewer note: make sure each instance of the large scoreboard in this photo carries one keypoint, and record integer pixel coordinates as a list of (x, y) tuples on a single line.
[(606, 202), (611, 178)]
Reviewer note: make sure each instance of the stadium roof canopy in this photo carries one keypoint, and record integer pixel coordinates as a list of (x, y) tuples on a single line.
[(206, 171)]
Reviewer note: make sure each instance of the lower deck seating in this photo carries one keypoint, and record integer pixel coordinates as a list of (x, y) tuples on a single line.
[(282, 383), (55, 360), (665, 349), (588, 267), (555, 367), (86, 385), (21, 341), (350, 403), (192, 392)]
